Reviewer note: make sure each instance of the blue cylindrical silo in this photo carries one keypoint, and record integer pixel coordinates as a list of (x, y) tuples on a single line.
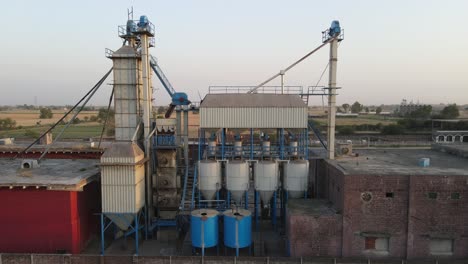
[(237, 228), (204, 228)]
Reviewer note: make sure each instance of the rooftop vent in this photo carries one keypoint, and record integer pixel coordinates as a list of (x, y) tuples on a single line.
[(29, 164)]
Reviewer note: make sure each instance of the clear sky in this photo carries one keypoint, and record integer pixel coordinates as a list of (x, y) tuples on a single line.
[(392, 50)]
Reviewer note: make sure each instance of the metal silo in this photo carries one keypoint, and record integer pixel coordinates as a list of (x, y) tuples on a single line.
[(209, 178), (237, 229), (127, 80), (266, 179), (296, 175), (237, 179), (204, 228), (122, 183)]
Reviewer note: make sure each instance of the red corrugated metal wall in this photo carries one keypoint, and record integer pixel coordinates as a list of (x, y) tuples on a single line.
[(42, 221)]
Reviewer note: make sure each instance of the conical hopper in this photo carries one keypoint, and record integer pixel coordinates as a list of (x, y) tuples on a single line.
[(237, 196), (123, 221), (265, 196), (208, 194)]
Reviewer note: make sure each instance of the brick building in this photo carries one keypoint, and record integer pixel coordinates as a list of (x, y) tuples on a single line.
[(382, 204)]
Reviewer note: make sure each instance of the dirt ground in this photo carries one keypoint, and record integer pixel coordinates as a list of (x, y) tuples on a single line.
[(31, 117)]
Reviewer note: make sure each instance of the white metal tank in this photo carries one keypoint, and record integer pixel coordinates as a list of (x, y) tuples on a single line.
[(212, 148), (237, 148), (293, 148), (296, 178), (266, 148), (266, 179), (237, 179), (209, 178)]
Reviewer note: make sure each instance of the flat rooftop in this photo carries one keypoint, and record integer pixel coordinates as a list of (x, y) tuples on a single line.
[(310, 207), (53, 174), (401, 162)]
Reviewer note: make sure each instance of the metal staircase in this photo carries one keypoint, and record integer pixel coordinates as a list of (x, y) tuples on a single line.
[(317, 133)]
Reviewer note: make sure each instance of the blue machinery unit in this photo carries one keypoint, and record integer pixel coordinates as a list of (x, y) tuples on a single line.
[(177, 98)]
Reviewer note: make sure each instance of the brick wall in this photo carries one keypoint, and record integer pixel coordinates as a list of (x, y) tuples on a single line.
[(314, 235), (380, 215), (442, 217), (398, 208)]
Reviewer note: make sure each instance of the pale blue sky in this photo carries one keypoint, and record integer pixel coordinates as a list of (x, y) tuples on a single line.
[(392, 50)]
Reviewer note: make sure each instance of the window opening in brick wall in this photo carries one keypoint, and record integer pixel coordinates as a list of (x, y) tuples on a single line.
[(455, 196), (441, 246), (376, 243), (389, 195)]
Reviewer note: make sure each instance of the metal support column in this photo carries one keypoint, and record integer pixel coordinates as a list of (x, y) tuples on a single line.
[(273, 211), (251, 144), (332, 98), (186, 137), (281, 143), (147, 105), (257, 209), (223, 140), (246, 205)]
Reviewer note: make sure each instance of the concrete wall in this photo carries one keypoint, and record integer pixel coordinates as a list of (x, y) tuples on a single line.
[(93, 259)]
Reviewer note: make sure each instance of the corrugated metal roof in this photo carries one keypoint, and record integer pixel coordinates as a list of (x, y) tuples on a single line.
[(252, 100)]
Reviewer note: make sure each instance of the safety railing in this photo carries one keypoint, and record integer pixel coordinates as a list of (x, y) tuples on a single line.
[(263, 89)]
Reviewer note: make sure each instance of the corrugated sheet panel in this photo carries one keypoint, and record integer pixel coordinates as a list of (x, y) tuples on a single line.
[(247, 117), (122, 175), (252, 100), (123, 198)]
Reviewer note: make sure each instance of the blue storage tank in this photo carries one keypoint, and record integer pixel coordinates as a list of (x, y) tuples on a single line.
[(237, 228), (204, 228)]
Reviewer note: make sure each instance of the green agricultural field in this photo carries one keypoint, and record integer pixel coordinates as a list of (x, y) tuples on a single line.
[(77, 131)]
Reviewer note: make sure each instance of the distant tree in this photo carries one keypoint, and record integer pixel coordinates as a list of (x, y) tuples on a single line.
[(102, 114), (339, 110), (76, 120), (393, 129), (86, 118), (346, 130), (378, 110), (7, 123), (45, 113), (367, 110), (423, 112), (450, 111), (93, 118), (345, 107), (161, 110), (356, 107)]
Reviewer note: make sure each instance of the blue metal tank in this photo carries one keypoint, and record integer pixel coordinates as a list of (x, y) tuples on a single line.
[(204, 228), (237, 229)]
